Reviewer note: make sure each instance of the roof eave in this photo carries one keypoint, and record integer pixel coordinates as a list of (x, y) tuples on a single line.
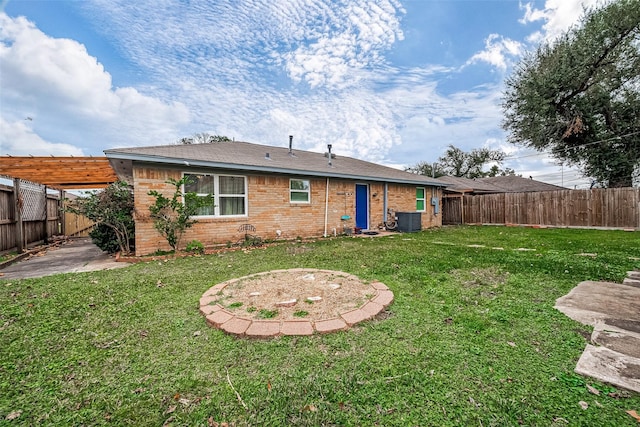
[(251, 168)]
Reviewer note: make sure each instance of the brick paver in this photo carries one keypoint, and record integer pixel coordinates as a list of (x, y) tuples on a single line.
[(210, 308), (236, 326), (379, 286), (215, 289), (372, 308), (296, 327), (355, 316), (207, 299), (218, 317), (384, 298), (264, 328), (330, 325)]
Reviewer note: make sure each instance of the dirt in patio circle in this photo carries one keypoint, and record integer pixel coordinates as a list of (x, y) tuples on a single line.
[(318, 295)]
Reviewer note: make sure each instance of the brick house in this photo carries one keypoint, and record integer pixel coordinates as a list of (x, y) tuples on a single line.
[(284, 193)]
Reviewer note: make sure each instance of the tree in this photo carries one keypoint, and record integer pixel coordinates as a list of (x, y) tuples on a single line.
[(203, 138), (433, 170), (112, 211), (172, 216), (456, 162), (579, 96), (496, 171)]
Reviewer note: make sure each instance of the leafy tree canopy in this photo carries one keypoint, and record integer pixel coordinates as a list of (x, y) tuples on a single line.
[(203, 138), (456, 162), (579, 96)]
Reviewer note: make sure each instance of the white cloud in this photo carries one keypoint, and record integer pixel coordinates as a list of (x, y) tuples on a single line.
[(531, 14), (350, 44), (558, 16), (221, 61), (313, 41), (253, 70), (498, 51), (17, 139), (71, 94)]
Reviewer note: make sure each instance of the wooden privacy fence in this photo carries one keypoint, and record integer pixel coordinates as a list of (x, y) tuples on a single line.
[(29, 215), (611, 207)]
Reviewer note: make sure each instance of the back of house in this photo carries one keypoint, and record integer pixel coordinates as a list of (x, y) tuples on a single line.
[(280, 192)]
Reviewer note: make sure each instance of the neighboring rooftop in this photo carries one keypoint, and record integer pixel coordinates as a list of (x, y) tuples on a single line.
[(466, 185), (244, 156), (497, 184), (518, 184)]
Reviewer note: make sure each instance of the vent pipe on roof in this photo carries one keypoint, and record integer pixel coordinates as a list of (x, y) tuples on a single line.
[(290, 144), (329, 148)]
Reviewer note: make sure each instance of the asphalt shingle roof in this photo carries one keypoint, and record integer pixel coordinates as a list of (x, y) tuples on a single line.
[(518, 184), (467, 185), (246, 156), (496, 184)]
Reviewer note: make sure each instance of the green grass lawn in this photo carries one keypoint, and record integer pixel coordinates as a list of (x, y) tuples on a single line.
[(471, 339)]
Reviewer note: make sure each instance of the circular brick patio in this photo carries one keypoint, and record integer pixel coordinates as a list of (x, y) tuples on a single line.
[(239, 323)]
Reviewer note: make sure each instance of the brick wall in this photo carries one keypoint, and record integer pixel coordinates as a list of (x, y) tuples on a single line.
[(270, 211)]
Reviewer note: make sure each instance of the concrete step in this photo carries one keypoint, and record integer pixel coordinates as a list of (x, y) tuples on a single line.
[(633, 275), (610, 367), (616, 339), (631, 282), (592, 301)]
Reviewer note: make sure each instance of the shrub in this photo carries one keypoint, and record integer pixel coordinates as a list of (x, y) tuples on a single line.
[(195, 246), (172, 216), (112, 210), (105, 238)]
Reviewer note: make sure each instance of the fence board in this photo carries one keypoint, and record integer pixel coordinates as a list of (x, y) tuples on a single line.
[(452, 210), (39, 225), (610, 207)]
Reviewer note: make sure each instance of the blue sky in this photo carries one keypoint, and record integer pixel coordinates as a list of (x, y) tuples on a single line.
[(388, 81)]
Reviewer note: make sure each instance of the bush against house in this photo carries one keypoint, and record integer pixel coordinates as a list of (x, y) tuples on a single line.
[(172, 216)]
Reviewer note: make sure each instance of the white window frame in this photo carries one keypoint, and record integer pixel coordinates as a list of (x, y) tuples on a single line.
[(308, 191), (217, 195), (424, 199)]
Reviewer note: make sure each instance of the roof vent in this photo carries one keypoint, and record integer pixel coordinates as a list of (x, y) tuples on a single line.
[(329, 155), (267, 156), (291, 145)]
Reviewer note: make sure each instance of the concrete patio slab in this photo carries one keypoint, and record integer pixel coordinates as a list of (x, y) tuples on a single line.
[(69, 256)]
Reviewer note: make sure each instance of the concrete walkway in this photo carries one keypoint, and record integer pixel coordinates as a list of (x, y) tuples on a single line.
[(613, 310), (70, 256)]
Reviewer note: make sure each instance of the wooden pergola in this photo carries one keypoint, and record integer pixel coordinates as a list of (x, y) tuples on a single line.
[(62, 173)]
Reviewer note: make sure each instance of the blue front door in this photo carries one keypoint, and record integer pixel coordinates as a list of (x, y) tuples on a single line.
[(362, 206)]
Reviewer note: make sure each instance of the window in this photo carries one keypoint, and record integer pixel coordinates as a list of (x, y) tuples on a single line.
[(420, 199), (299, 191), (229, 194)]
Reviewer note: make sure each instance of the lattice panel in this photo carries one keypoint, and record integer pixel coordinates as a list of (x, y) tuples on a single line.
[(33, 201)]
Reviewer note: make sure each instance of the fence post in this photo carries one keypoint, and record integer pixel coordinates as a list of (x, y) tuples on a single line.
[(62, 215), (17, 203), (462, 208), (46, 217)]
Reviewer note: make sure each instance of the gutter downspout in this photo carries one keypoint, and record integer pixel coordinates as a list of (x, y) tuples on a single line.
[(385, 202), (326, 208)]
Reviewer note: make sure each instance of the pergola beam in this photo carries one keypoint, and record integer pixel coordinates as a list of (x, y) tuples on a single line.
[(64, 173)]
